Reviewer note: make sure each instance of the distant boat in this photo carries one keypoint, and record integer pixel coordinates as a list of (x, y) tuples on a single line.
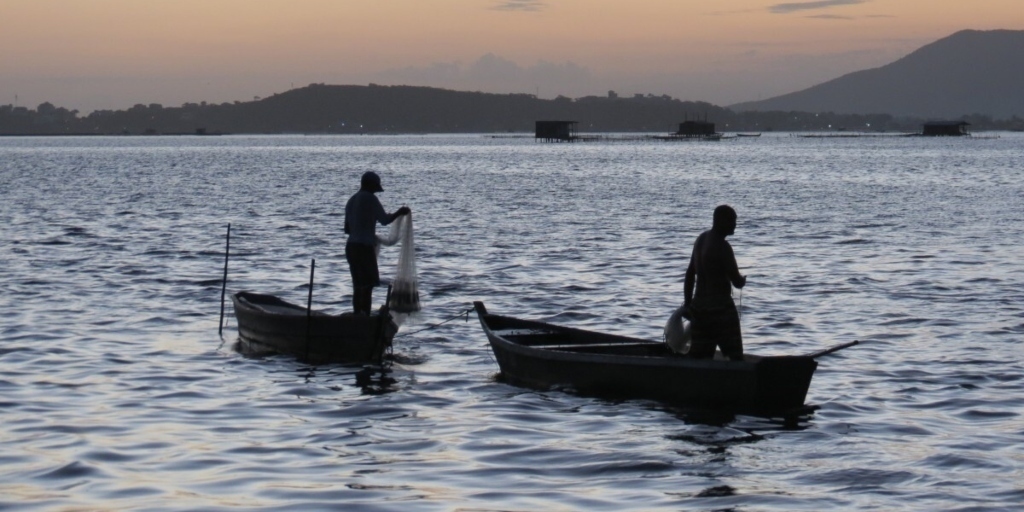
[(748, 134), (541, 355), (270, 324)]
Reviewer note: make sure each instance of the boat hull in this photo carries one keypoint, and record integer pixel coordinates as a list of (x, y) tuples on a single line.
[(544, 356), (269, 324)]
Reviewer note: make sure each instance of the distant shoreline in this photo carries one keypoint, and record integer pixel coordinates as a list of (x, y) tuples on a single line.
[(354, 110), (497, 135), (121, 134)]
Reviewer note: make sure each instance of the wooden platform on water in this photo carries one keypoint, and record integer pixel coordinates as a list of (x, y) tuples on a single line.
[(621, 138)]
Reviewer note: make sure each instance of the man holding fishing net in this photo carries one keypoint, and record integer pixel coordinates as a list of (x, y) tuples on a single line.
[(362, 214), (713, 315)]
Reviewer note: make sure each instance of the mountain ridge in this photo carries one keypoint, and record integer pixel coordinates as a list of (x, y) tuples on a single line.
[(969, 72), (951, 78)]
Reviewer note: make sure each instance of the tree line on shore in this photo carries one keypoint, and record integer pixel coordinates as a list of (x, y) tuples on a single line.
[(374, 109)]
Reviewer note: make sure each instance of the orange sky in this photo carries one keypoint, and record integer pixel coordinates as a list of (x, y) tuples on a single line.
[(94, 54)]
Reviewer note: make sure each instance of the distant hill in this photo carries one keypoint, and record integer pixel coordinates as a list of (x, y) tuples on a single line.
[(320, 108), (382, 109), (969, 72), (376, 109)]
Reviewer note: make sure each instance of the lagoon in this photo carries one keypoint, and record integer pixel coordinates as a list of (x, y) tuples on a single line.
[(118, 393)]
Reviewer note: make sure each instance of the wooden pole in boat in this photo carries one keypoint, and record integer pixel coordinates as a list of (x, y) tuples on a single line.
[(224, 285), (831, 350), (309, 305), (382, 321)]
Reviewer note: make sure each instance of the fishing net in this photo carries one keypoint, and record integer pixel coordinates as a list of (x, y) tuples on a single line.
[(405, 295), (677, 332)]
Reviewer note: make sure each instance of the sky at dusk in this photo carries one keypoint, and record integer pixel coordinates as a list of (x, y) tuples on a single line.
[(112, 54)]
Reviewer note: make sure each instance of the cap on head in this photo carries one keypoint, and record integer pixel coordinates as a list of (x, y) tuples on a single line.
[(371, 182)]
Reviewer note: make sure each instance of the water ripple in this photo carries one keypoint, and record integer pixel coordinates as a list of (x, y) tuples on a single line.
[(118, 394)]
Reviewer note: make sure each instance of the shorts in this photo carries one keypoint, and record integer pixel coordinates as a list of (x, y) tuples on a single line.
[(362, 262), (715, 323)]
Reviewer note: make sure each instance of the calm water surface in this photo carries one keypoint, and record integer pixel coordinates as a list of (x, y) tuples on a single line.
[(117, 393)]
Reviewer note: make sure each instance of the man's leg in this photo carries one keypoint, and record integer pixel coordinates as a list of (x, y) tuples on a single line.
[(730, 338), (362, 300), (362, 262), (702, 338), (719, 327)]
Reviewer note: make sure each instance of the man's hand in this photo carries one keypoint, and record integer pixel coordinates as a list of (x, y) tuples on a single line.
[(403, 211), (687, 311)]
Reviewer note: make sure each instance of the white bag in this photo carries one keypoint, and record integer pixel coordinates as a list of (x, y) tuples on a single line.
[(677, 332)]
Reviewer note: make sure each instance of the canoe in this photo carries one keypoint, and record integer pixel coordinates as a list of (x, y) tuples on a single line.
[(540, 355), (270, 324)]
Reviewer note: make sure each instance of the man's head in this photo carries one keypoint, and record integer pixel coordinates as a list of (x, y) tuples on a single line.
[(371, 182), (724, 220)]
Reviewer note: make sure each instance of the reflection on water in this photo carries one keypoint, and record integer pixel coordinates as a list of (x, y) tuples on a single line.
[(118, 393)]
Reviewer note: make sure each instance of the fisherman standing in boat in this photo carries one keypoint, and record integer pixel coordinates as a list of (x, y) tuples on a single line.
[(362, 213), (713, 315)]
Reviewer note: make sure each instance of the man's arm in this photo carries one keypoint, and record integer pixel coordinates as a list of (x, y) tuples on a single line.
[(738, 280), (348, 211), (398, 213), (691, 274), (383, 217)]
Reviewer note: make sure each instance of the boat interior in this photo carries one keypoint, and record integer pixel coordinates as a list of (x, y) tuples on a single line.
[(551, 339), (569, 340), (273, 305), (277, 306)]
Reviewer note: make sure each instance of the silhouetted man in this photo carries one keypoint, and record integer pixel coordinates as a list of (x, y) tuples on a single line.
[(362, 213), (714, 320)]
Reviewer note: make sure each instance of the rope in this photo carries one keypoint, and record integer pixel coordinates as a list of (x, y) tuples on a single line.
[(387, 359), (429, 327)]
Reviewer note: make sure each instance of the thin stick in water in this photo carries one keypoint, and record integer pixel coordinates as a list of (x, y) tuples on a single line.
[(309, 305), (224, 285)]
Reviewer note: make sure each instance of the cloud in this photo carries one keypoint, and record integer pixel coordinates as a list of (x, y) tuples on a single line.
[(438, 72), (805, 6), (830, 17), (730, 13), (519, 5), (492, 67)]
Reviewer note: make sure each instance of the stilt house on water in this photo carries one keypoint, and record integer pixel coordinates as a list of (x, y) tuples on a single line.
[(941, 128), (565, 131), (556, 131), (693, 130), (696, 129)]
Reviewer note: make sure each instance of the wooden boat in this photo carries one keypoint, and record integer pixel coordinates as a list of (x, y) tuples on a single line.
[(748, 134), (269, 324), (540, 355)]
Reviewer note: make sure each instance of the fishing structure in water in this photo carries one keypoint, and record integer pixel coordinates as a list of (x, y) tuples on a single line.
[(568, 131)]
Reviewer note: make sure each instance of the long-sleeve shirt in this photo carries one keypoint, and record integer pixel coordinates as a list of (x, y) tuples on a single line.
[(362, 213)]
